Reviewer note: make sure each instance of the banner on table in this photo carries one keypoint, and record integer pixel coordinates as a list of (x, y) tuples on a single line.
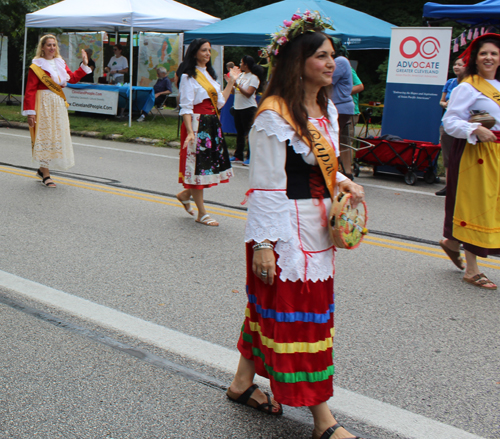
[(155, 50), (71, 45), (416, 74), (92, 100), (4, 41)]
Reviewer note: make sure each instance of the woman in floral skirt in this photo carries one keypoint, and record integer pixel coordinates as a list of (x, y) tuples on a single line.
[(204, 160)]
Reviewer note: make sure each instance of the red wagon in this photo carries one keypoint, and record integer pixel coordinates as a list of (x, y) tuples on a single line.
[(408, 157)]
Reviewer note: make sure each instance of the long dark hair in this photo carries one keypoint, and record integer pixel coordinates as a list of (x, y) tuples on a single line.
[(471, 68), (190, 59), (286, 78), (255, 69)]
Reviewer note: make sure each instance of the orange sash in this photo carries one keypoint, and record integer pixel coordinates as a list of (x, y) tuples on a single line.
[(484, 87), (49, 82), (325, 154), (210, 89), (52, 86)]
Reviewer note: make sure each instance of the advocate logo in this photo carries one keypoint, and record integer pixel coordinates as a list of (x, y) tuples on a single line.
[(427, 48), (411, 47)]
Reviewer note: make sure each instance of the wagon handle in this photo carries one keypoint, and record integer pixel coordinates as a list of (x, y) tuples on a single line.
[(368, 144)]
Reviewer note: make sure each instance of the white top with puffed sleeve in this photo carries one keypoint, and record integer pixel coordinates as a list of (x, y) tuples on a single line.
[(464, 98), (192, 93)]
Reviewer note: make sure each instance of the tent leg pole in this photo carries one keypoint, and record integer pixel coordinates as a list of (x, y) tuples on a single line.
[(131, 64), (24, 63)]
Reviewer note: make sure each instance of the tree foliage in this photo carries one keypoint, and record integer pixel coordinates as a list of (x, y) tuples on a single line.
[(12, 20), (226, 8), (371, 63)]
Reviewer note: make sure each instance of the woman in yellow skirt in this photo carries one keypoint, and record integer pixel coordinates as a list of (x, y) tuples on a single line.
[(473, 199)]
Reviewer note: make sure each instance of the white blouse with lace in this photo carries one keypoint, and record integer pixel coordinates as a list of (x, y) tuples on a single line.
[(303, 244), (192, 93)]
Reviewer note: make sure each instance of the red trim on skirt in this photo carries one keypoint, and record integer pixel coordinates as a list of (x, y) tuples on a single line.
[(289, 297), (204, 107)]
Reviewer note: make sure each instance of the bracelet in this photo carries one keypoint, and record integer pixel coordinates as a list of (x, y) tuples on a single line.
[(261, 245)]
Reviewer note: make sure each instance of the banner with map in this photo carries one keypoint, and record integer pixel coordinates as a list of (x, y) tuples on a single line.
[(4, 41), (155, 50), (71, 45), (217, 63)]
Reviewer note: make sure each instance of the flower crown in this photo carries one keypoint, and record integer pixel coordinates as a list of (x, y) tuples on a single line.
[(299, 25)]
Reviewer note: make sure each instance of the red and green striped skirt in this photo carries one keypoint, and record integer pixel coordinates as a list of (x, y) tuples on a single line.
[(288, 332)]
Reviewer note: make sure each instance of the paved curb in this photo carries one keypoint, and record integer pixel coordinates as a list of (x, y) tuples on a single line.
[(96, 134)]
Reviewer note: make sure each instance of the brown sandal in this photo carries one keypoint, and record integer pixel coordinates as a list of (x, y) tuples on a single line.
[(480, 280), (453, 255), (329, 432), (246, 399)]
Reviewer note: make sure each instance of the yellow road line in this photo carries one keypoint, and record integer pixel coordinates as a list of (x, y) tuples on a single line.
[(490, 263), (439, 251), (126, 193), (408, 244), (227, 212)]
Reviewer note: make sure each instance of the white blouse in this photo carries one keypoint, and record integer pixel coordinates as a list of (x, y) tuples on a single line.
[(464, 98), (303, 244), (192, 93)]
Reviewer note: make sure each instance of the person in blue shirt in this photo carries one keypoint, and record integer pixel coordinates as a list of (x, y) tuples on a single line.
[(162, 88), (342, 98), (445, 139)]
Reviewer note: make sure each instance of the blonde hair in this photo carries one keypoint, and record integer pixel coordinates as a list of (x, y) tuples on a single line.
[(42, 42)]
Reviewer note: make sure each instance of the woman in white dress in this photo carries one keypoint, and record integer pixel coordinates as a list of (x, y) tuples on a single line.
[(46, 108), (473, 182)]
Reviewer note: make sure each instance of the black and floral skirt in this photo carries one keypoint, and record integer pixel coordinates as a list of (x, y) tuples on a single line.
[(205, 162)]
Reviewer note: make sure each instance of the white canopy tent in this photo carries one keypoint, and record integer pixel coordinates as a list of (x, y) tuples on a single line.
[(117, 16)]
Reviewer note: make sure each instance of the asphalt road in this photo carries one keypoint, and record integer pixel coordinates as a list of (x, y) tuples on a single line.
[(120, 314)]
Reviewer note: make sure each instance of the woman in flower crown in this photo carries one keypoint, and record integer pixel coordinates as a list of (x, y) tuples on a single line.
[(473, 180), (287, 335)]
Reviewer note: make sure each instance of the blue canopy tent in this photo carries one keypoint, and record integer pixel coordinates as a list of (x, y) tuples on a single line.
[(358, 31), (487, 12)]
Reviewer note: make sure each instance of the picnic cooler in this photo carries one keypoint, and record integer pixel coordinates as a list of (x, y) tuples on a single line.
[(410, 158)]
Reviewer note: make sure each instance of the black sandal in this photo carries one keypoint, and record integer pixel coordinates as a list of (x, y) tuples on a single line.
[(39, 174), (245, 399), (50, 184), (331, 430)]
